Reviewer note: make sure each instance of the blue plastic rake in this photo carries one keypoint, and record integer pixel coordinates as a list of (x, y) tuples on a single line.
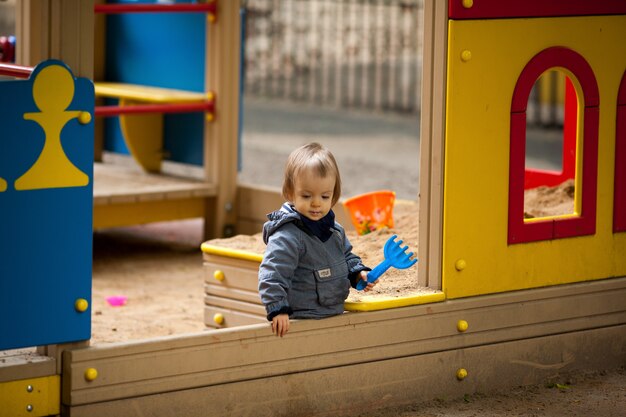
[(395, 256)]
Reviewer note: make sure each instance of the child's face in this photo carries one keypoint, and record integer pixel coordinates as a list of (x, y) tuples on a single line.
[(313, 194)]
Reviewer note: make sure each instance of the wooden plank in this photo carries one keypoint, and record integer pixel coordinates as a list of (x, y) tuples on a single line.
[(120, 184), (230, 318), (232, 293), (32, 27), (252, 308), (388, 382), (60, 29), (233, 277), (432, 138), (249, 227), (254, 203), (24, 364), (222, 65), (222, 356)]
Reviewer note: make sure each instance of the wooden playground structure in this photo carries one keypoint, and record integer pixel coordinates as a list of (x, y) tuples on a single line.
[(515, 299)]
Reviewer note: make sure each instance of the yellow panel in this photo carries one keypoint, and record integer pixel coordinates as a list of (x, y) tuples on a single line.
[(143, 134), (479, 93), (31, 397), (146, 94), (129, 214)]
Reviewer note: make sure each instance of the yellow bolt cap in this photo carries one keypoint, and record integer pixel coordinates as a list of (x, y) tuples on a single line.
[(466, 55), (81, 305), (461, 374), (210, 117), (84, 117), (467, 3), (219, 275), (91, 374), (462, 326), (460, 264), (218, 318)]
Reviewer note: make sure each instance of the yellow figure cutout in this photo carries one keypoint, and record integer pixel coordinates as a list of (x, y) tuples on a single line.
[(3, 185), (53, 91)]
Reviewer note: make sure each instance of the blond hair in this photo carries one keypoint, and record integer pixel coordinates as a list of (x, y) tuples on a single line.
[(311, 156)]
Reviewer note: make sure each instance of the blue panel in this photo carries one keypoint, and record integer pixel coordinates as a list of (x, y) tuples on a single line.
[(113, 139), (162, 50), (45, 222)]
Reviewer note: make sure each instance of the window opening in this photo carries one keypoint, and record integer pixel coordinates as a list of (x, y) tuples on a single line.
[(550, 158), (582, 220)]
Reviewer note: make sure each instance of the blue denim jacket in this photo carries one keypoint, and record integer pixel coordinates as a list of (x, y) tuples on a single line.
[(301, 275)]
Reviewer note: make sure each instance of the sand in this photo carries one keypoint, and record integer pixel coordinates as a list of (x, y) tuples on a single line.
[(158, 268)]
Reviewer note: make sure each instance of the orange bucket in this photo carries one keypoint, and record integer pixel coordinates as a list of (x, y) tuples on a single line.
[(371, 211)]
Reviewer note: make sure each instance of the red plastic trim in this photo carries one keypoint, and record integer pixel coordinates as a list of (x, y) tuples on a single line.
[(619, 202), (556, 56), (110, 111), (16, 71), (156, 8), (492, 9), (518, 230)]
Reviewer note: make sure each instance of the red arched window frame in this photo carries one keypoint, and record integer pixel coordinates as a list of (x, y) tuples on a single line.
[(619, 192), (584, 223)]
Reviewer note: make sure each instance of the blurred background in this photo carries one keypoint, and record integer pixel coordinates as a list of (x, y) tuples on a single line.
[(345, 73)]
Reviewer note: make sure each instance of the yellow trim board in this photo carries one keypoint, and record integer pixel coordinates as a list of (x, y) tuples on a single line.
[(140, 212), (231, 253), (146, 93), (42, 396), (371, 303)]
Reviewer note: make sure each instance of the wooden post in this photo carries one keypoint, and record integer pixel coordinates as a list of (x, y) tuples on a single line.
[(432, 143), (220, 137), (59, 29)]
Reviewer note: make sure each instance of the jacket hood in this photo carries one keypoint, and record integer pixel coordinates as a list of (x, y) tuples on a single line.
[(276, 219)]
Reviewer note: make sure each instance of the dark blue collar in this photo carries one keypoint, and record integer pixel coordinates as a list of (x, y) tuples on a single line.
[(322, 227)]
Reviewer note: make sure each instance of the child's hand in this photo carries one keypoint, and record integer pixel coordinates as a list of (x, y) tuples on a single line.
[(370, 285), (280, 324)]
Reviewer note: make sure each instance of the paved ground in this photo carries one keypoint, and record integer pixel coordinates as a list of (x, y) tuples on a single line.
[(374, 150)]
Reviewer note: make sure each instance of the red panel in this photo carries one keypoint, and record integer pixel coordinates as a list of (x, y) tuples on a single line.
[(491, 9), (534, 178), (518, 231), (556, 56), (621, 95), (619, 204), (517, 154), (569, 130)]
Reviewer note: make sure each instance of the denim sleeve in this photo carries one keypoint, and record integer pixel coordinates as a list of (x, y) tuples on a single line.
[(276, 271)]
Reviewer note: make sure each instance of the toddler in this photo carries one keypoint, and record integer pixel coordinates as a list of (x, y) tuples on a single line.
[(308, 266)]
